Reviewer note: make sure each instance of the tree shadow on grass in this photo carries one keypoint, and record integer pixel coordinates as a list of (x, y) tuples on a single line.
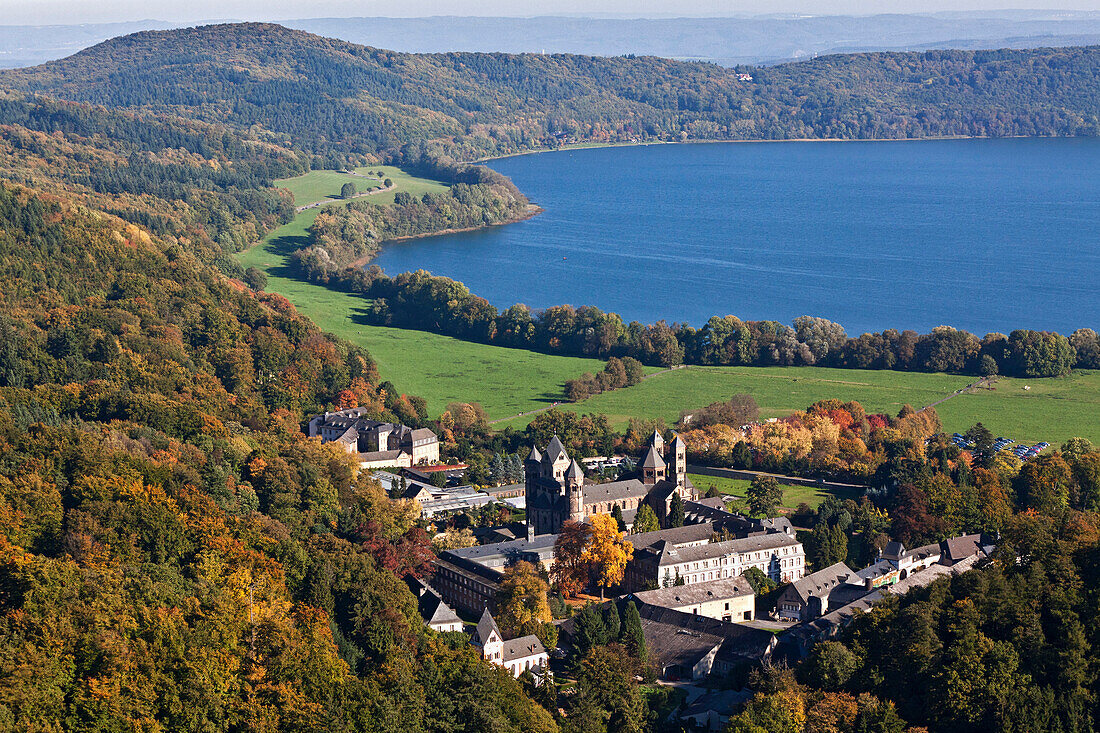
[(285, 246)]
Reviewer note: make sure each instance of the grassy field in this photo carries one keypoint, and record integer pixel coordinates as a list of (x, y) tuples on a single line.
[(438, 368), (509, 381), (792, 495), (778, 390), (1051, 410), (325, 185)]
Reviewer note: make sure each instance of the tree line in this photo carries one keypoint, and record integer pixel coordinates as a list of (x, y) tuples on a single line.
[(428, 302)]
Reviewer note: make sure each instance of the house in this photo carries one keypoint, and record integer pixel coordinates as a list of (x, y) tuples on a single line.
[(556, 491), (802, 637), (516, 655), (813, 595), (729, 599), (711, 711), (437, 615), (376, 444), (776, 554)]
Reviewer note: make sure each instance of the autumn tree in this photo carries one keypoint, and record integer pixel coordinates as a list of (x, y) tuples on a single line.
[(607, 552), (521, 603), (571, 571)]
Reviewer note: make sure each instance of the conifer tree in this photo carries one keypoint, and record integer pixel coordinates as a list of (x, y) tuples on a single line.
[(612, 620), (631, 635), (676, 512)]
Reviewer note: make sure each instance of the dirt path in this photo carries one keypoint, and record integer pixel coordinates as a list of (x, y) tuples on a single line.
[(360, 195), (551, 407), (983, 382)]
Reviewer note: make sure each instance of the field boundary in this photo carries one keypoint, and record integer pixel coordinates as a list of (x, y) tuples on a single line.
[(749, 475)]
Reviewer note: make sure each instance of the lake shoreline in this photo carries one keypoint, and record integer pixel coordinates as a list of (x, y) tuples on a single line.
[(597, 146), (531, 211)]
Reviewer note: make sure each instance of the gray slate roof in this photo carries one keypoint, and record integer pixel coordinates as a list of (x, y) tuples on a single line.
[(688, 534), (485, 627), (764, 542), (614, 491), (504, 553), (688, 595), (822, 582), (652, 459), (524, 646), (432, 608), (555, 450)]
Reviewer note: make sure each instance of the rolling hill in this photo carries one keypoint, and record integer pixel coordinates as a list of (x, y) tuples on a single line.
[(336, 98)]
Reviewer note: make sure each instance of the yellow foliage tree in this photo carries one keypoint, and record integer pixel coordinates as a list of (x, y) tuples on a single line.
[(608, 552), (522, 607)]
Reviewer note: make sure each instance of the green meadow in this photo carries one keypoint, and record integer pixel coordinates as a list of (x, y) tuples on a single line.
[(439, 368), (508, 382), (318, 186), (1051, 410), (792, 495), (1048, 409), (778, 390)]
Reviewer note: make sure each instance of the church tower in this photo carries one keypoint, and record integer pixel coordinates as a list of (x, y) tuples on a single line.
[(532, 471), (574, 484), (677, 461), (653, 466)]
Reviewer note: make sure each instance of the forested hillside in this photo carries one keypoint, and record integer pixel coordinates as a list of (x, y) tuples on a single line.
[(174, 553), (336, 98)]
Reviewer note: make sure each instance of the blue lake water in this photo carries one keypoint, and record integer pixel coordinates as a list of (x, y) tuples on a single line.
[(985, 235)]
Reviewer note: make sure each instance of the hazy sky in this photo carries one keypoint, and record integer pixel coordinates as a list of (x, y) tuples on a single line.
[(64, 12)]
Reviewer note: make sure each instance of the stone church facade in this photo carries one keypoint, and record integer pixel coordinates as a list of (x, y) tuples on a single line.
[(556, 491)]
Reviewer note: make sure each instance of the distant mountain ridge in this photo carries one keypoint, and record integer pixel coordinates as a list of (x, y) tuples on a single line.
[(763, 39), (335, 98)]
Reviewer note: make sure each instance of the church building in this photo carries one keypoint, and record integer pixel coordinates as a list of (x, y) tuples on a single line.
[(556, 488)]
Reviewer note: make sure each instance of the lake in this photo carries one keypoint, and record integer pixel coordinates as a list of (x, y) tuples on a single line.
[(985, 235)]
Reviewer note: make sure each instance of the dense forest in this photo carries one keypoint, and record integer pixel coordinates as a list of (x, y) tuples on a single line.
[(174, 553)]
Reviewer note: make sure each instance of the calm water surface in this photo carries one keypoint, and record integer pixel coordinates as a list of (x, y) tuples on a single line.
[(986, 235)]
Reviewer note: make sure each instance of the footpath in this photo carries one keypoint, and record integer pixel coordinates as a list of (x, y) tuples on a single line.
[(326, 202)]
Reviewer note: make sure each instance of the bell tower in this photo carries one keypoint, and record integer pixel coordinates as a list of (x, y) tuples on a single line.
[(574, 485), (677, 461)]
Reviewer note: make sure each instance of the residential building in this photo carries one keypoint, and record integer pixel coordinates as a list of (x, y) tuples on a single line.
[(882, 579), (809, 597), (525, 654), (437, 615), (469, 577), (728, 599), (376, 444)]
